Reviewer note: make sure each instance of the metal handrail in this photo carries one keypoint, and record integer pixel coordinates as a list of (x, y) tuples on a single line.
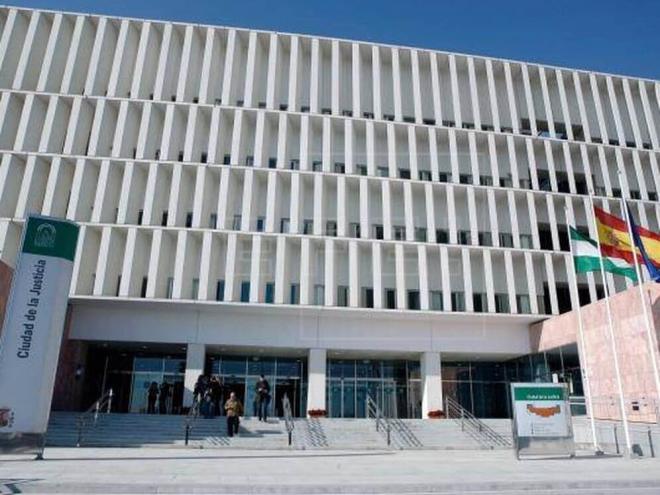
[(288, 417), (470, 422), (92, 413), (191, 417), (372, 410)]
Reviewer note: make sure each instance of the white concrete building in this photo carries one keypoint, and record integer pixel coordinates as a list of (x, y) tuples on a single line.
[(346, 217)]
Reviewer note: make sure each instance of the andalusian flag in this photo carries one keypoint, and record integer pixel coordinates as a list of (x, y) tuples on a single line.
[(587, 258)]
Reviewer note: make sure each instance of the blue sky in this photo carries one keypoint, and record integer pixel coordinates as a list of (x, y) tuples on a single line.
[(621, 37)]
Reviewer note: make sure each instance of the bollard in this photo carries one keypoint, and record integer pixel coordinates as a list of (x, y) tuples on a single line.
[(388, 434), (289, 439), (651, 442), (187, 433), (616, 440)]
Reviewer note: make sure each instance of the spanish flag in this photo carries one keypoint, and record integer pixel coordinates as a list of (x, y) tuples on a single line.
[(643, 240), (616, 243)]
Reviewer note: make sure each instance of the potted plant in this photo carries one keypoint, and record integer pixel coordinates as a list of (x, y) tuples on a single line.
[(436, 414), (316, 413)]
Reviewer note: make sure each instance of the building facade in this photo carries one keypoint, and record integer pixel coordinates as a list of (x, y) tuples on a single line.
[(349, 219)]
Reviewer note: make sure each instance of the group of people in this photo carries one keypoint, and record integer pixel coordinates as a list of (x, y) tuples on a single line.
[(158, 393), (209, 392)]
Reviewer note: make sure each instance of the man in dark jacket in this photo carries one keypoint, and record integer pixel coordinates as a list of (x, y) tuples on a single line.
[(262, 389)]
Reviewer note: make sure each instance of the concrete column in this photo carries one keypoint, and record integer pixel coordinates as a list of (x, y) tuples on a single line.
[(431, 383), (195, 356), (316, 379)]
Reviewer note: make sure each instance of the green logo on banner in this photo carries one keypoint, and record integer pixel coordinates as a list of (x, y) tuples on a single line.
[(48, 236), (539, 393)]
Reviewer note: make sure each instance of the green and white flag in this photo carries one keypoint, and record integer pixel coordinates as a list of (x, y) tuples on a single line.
[(587, 257)]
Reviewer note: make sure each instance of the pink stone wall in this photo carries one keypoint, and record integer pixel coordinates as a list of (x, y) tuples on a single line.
[(632, 345)]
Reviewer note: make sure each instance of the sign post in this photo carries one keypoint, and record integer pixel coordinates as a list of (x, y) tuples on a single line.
[(32, 332), (542, 419)]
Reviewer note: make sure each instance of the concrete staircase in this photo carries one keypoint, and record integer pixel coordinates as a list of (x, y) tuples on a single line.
[(143, 430)]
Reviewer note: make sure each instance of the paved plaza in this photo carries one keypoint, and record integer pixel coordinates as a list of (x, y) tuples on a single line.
[(86, 470)]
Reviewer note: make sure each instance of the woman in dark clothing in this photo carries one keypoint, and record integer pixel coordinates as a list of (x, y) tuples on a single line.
[(216, 395), (152, 395)]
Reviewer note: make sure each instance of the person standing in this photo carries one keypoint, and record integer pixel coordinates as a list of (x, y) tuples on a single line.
[(152, 396), (263, 397), (163, 396), (234, 409), (216, 395)]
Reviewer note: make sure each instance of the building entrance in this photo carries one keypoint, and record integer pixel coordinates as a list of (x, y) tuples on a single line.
[(239, 374), (393, 385)]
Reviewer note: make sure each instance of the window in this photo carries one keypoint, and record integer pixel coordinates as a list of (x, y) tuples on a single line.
[(443, 177), (317, 165), (308, 227), (388, 116), (506, 182), (195, 288), (189, 219), (479, 302), (213, 220), (449, 123), (390, 298), (118, 286), (163, 219), (354, 229), (245, 291), (139, 218), (143, 288), (347, 113), (383, 171), (294, 164), (272, 162), (217, 101), (170, 287), (367, 297), (284, 107), (428, 121), (269, 294), (464, 237), (295, 294), (236, 224), (249, 161), (502, 303), (203, 157), (399, 232), (441, 236), (436, 300), (331, 228), (413, 299), (326, 111), (304, 108), (377, 231), (226, 160), (523, 303), (506, 239), (220, 290), (261, 221), (526, 241), (239, 103), (468, 125), (368, 115), (409, 119), (425, 175), (457, 301), (342, 295), (284, 226), (486, 180), (340, 168), (465, 178), (420, 234), (180, 156), (404, 173), (362, 169), (261, 104), (485, 239), (319, 295)]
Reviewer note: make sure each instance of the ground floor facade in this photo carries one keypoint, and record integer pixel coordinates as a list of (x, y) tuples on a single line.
[(328, 361)]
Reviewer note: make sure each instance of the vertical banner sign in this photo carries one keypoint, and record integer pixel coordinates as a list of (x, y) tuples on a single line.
[(32, 331)]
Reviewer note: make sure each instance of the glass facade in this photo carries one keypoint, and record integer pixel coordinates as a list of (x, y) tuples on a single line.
[(285, 375)]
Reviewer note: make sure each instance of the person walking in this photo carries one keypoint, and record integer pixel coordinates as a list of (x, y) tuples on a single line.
[(263, 397), (234, 409), (216, 395), (152, 396)]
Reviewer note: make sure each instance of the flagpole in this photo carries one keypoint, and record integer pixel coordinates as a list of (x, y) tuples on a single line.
[(638, 272), (617, 369), (582, 348)]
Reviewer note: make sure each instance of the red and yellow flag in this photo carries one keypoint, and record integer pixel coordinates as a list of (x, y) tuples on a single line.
[(616, 243)]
